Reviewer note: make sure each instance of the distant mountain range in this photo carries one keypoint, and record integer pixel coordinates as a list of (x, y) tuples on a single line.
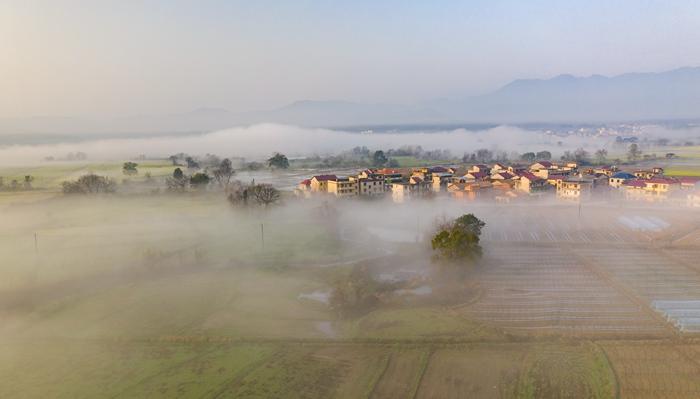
[(630, 97), (565, 98)]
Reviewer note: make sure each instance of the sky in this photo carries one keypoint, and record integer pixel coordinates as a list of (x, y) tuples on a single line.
[(124, 58)]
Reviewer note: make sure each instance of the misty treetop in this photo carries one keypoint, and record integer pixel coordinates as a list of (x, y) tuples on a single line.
[(129, 168), (89, 184), (278, 161), (459, 240), (260, 194)]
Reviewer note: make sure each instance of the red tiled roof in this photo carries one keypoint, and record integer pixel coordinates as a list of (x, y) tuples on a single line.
[(546, 164), (325, 177), (662, 180), (505, 175), (477, 175), (306, 182), (634, 183), (529, 176)]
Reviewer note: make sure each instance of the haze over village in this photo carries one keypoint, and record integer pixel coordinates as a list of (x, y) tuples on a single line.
[(349, 199)]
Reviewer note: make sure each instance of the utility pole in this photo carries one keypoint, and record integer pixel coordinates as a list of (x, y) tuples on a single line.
[(579, 209), (262, 235), (36, 243)]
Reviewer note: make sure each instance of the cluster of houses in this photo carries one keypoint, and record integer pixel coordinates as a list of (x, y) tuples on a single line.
[(504, 183)]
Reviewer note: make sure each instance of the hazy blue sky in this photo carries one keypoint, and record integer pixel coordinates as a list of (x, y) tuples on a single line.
[(61, 57)]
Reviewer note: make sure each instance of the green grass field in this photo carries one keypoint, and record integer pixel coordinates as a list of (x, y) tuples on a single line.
[(50, 176), (78, 369)]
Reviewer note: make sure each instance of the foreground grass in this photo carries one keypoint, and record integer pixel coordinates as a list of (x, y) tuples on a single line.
[(68, 369)]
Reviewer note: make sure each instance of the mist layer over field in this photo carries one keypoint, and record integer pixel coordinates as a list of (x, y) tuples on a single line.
[(108, 291), (260, 141)]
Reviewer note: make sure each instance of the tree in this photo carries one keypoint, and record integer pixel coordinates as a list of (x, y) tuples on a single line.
[(265, 194), (173, 159), (529, 157), (199, 180), (89, 184), (601, 155), (459, 240), (278, 161), (483, 155), (355, 294), (192, 163), (544, 155), (393, 163), (129, 168), (28, 179), (223, 173), (581, 155), (178, 182), (633, 153), (379, 159), (238, 194)]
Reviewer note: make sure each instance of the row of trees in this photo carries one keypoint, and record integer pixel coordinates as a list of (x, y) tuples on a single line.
[(16, 184), (276, 161)]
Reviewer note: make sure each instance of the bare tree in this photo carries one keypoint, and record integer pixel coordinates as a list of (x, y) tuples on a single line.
[(265, 194), (224, 173), (89, 184)]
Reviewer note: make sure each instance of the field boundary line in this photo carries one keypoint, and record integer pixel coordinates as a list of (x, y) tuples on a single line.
[(238, 377), (423, 369), (163, 371), (387, 359), (601, 348)]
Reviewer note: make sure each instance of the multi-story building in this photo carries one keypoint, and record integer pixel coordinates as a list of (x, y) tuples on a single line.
[(619, 178), (575, 188), (400, 192), (320, 183), (343, 187), (370, 187), (530, 183), (440, 181)]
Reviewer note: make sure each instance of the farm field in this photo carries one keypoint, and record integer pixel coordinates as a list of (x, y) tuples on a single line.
[(652, 370), (542, 290), (154, 295), (296, 370)]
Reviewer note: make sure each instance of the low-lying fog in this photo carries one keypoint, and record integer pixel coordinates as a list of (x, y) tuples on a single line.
[(260, 141)]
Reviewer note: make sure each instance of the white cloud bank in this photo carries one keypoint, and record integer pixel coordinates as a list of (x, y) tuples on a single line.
[(259, 141)]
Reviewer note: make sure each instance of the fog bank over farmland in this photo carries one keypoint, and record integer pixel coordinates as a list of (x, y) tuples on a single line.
[(258, 141)]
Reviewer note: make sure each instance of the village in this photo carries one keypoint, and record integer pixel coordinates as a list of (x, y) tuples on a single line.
[(503, 183)]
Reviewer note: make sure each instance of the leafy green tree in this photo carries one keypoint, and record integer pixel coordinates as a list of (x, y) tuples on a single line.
[(199, 180), (544, 155), (379, 159), (192, 163), (278, 161), (178, 182), (393, 163), (459, 240), (129, 168), (529, 157)]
